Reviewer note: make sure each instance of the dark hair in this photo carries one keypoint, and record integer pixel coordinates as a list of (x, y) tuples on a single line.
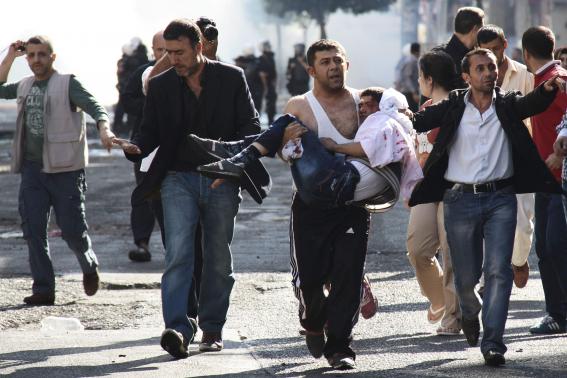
[(539, 41), (323, 45), (208, 28), (183, 28), (374, 92), (439, 66), (41, 40), (560, 51), (415, 48), (467, 18), (466, 62), (489, 33)]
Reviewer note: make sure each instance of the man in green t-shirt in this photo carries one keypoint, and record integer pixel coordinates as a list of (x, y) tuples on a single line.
[(50, 153)]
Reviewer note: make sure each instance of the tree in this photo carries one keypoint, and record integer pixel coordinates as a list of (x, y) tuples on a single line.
[(319, 10)]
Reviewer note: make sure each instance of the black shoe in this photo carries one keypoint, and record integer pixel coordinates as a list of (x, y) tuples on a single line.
[(493, 358), (315, 343), (39, 299), (140, 254), (215, 149), (211, 342), (91, 283), (172, 342), (222, 169), (471, 329), (341, 361)]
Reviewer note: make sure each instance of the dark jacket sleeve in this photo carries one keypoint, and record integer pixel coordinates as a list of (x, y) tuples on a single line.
[(432, 116), (535, 102), (148, 137), (132, 96), (247, 118)]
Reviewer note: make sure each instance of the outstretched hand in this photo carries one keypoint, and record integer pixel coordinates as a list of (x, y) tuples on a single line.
[(126, 146), (554, 83)]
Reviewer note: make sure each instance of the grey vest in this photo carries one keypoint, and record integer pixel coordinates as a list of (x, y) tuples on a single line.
[(64, 138)]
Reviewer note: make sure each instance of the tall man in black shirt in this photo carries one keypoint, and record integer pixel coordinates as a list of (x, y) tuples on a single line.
[(212, 100)]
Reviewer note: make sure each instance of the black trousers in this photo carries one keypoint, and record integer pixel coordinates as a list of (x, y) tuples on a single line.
[(328, 245), (144, 214), (271, 98)]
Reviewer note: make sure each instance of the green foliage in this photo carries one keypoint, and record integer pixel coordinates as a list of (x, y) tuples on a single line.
[(319, 10)]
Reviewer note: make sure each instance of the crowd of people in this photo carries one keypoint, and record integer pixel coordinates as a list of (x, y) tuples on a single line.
[(481, 165)]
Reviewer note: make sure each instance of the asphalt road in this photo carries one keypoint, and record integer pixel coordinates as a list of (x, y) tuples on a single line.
[(123, 321)]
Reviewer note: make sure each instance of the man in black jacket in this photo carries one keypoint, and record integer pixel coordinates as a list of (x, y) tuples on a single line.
[(212, 100), (468, 21), (482, 157)]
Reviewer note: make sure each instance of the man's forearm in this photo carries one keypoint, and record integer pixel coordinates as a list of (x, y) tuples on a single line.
[(351, 149)]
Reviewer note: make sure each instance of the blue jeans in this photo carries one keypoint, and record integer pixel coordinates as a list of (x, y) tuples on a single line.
[(188, 200), (473, 221), (323, 179), (551, 249), (65, 192)]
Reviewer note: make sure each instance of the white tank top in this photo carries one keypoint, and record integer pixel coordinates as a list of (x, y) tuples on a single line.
[(325, 128)]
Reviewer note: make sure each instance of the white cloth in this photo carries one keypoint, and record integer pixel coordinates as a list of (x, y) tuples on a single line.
[(481, 151), (147, 161), (293, 149), (385, 138)]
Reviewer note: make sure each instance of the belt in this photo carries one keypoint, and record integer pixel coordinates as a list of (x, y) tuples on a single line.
[(486, 187)]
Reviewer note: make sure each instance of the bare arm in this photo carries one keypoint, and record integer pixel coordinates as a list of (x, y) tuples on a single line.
[(6, 64), (353, 149)]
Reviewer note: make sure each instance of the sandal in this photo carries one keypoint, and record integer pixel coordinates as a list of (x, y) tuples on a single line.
[(448, 331), (433, 316)]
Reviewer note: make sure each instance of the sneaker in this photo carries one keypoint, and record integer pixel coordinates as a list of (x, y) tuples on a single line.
[(222, 169), (341, 361), (521, 275), (39, 299), (215, 149), (315, 341), (493, 358), (173, 343), (471, 329), (91, 283), (369, 303), (547, 326), (211, 342)]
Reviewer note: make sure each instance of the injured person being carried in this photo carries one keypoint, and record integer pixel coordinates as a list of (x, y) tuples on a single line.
[(372, 171)]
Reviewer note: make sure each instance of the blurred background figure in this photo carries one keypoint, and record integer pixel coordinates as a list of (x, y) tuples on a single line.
[(296, 73), (407, 76), (251, 64), (561, 54), (134, 54), (211, 37), (268, 75)]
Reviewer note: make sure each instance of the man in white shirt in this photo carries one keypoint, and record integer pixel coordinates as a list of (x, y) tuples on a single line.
[(477, 181), (514, 76)]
